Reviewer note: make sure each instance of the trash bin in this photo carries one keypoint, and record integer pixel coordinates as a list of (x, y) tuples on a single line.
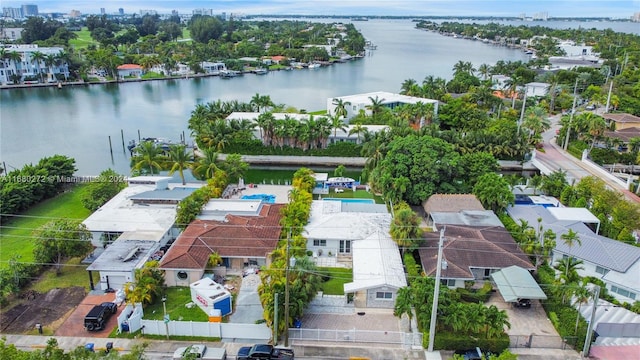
[(297, 323), (89, 347), (108, 347), (125, 326)]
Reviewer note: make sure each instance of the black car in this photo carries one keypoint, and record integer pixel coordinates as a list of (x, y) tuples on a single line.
[(471, 354), (111, 307), (523, 303)]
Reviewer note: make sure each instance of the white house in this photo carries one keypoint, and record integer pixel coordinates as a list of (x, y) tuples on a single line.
[(130, 70), (11, 33), (361, 102), (535, 89), (612, 261), (337, 135), (50, 67), (357, 235), (213, 68)]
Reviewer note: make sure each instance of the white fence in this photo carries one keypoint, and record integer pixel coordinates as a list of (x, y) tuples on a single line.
[(406, 340), (207, 329)]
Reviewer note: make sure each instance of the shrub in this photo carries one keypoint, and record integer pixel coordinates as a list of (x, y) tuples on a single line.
[(450, 341)]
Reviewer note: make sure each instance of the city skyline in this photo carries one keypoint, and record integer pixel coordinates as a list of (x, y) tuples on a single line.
[(623, 9)]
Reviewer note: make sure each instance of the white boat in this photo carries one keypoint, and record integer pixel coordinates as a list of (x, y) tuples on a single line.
[(260, 71), (226, 74), (314, 66)]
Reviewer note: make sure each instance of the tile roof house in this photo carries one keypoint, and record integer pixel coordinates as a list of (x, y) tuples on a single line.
[(612, 261), (471, 253), (622, 120), (238, 239), (127, 70), (450, 203)]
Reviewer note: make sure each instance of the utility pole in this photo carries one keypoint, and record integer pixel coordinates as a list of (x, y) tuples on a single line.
[(286, 294), (275, 319), (587, 341), (436, 293), (524, 103), (573, 110), (606, 108)]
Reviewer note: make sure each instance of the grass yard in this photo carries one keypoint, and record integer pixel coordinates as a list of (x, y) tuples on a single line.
[(282, 177), (15, 234), (73, 273), (337, 278), (84, 39), (177, 298), (350, 194)]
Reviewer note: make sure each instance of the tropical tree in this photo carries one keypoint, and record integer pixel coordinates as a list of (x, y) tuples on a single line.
[(376, 106), (581, 295), (235, 167), (410, 88), (496, 320), (340, 107), (359, 130), (147, 285), (337, 124), (37, 57), (494, 192), (148, 157), (206, 166), (570, 238), (405, 228), (485, 71), (261, 102), (179, 159), (50, 60), (59, 239)]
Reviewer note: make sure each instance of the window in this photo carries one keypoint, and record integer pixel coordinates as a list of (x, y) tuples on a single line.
[(345, 246), (601, 270), (448, 282), (623, 292), (182, 275), (383, 295), (317, 242)]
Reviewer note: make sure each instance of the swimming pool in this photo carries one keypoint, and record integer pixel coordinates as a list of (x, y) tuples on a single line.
[(364, 201)]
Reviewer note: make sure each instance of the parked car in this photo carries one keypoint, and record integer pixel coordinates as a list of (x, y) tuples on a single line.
[(200, 351), (264, 352), (523, 303), (98, 316), (590, 107)]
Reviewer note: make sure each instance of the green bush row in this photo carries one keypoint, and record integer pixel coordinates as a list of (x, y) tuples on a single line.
[(450, 341), (255, 147)]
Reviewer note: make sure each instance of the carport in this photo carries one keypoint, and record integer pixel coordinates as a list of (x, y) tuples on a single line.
[(516, 283)]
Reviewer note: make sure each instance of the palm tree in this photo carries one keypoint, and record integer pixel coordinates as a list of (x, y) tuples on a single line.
[(261, 102), (207, 165), (337, 124), (376, 107), (358, 129), (37, 57), (341, 107), (148, 157), (50, 60), (16, 58), (570, 238), (180, 160), (485, 71), (266, 122), (410, 87), (581, 294), (463, 67), (405, 229)]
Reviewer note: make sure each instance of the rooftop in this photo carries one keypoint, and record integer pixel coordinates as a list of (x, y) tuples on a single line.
[(218, 209), (621, 118), (385, 98), (124, 255), (467, 217), (451, 203)]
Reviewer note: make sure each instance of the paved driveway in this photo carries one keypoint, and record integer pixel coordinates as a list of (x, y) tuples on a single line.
[(74, 325), (248, 306)]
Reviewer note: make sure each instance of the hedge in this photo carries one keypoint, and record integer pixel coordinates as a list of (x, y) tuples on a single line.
[(450, 341)]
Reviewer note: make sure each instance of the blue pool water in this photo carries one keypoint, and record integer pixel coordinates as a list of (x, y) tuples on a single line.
[(365, 201), (267, 198)]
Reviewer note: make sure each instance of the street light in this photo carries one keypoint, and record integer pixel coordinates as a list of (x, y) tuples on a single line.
[(165, 317)]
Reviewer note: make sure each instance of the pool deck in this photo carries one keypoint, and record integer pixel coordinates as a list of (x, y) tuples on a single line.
[(281, 192)]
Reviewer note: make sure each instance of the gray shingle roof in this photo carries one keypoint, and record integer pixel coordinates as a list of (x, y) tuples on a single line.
[(596, 249)]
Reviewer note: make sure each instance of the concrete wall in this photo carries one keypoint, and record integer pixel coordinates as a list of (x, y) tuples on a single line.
[(208, 329)]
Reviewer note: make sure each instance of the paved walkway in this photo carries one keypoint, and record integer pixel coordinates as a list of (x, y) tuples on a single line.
[(248, 306)]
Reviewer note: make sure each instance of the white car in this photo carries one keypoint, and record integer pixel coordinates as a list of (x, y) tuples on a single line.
[(339, 190)]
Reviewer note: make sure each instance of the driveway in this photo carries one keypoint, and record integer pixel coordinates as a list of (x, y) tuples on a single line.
[(248, 306), (74, 325)]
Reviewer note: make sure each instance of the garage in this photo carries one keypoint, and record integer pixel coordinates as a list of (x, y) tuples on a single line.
[(118, 262)]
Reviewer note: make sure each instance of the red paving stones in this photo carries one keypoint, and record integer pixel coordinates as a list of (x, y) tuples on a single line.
[(74, 325)]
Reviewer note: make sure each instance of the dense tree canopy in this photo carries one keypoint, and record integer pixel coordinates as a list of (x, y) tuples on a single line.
[(205, 28)]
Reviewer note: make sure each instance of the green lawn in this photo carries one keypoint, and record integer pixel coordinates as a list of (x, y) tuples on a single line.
[(280, 177), (177, 298), (350, 194), (15, 234), (73, 273), (84, 39), (186, 34), (337, 278)]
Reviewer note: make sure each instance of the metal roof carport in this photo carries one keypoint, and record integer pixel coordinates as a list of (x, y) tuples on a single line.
[(516, 283)]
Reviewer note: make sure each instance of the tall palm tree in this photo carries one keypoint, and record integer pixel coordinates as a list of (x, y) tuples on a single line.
[(570, 238), (179, 159), (50, 60), (581, 295), (410, 87), (405, 228), (337, 124), (16, 58), (465, 67), (266, 122), (148, 157), (207, 165), (341, 107), (485, 71), (376, 107), (37, 57), (358, 129)]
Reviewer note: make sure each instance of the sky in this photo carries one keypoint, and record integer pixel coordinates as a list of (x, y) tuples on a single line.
[(554, 8)]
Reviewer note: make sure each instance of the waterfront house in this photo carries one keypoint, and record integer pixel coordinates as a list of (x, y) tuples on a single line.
[(242, 232), (361, 102), (27, 70), (617, 264), (213, 68), (356, 235), (130, 70), (537, 89)]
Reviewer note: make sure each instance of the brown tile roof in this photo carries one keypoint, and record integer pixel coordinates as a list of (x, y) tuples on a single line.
[(470, 246), (451, 203), (237, 236), (622, 118), (624, 134)]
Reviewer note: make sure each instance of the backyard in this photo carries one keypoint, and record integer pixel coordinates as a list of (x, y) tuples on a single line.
[(337, 277), (16, 233)]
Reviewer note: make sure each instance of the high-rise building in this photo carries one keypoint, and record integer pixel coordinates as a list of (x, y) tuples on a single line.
[(102, 11), (121, 11), (75, 14), (148, 12), (636, 17), (13, 13), (29, 10)]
